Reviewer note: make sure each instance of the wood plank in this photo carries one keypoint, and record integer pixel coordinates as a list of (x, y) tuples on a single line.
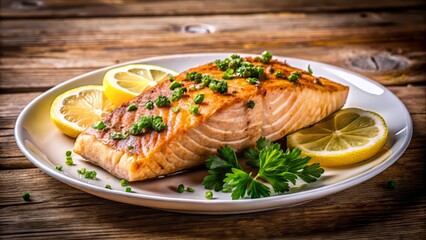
[(374, 45), (109, 8), (57, 210)]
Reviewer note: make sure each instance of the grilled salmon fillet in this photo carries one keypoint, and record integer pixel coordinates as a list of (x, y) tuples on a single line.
[(280, 107)]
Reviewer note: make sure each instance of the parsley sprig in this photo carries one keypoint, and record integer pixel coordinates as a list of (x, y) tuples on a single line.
[(277, 167)]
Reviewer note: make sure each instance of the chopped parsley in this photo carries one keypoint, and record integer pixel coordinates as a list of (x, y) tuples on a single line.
[(128, 189), (266, 57), (228, 74), (162, 101), (59, 168), (277, 167), (190, 189), (175, 84), (194, 110), (294, 76), (199, 98), (149, 105), (171, 78), (132, 107), (250, 104), (177, 94), (130, 147), (99, 125), (26, 196), (108, 187)]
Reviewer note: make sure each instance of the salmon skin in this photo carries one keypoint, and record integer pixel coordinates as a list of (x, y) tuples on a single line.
[(280, 107)]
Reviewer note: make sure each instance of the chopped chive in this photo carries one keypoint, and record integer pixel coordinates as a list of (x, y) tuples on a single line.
[(174, 85), (128, 189), (199, 98), (118, 136), (228, 74), (194, 110), (171, 78), (250, 104), (181, 188), (309, 69), (108, 186), (90, 175), (294, 76), (175, 109), (162, 101), (26, 196), (130, 147), (391, 185), (252, 81), (190, 189), (278, 74), (69, 161), (82, 171), (99, 125), (68, 153), (209, 195), (149, 105), (59, 168), (123, 182), (132, 107), (266, 57)]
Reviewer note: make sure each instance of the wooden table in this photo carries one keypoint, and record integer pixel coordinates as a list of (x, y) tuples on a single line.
[(46, 42)]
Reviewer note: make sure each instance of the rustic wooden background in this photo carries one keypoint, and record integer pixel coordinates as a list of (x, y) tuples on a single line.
[(46, 42)]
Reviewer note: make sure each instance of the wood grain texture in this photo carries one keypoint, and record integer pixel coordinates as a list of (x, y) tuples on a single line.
[(373, 44), (114, 8), (46, 42)]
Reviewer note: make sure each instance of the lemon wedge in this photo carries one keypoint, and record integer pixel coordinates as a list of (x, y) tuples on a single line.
[(347, 137), (124, 83), (76, 109)]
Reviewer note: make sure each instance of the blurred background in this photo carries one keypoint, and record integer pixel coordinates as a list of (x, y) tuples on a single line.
[(46, 42)]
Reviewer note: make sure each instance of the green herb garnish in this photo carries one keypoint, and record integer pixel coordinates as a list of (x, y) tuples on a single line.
[(99, 125), (90, 175), (147, 122), (132, 107), (266, 57), (275, 166), (220, 86), (194, 110), (175, 109), (130, 147), (175, 84), (26, 196), (123, 182), (162, 101), (118, 136), (278, 74), (68, 153), (181, 188), (228, 74), (294, 76), (194, 76), (149, 105), (209, 195), (250, 104), (391, 185), (108, 186), (199, 98), (309, 69), (190, 189), (82, 171), (59, 168), (128, 189), (157, 124), (68, 158), (177, 94), (171, 78), (252, 81)]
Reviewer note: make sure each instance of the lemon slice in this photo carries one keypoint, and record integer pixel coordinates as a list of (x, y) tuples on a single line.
[(348, 136), (124, 83), (76, 109)]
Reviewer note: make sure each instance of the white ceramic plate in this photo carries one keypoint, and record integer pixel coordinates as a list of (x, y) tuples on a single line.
[(45, 147)]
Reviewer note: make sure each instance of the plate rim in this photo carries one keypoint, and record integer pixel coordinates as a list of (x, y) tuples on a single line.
[(277, 199)]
